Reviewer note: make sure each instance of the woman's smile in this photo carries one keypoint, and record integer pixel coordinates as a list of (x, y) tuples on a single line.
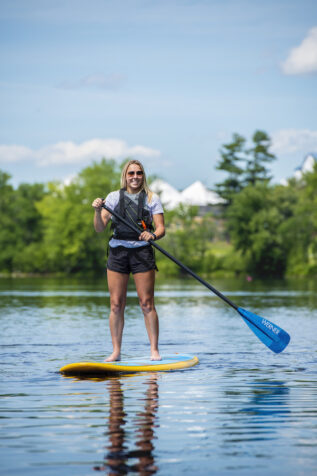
[(134, 178)]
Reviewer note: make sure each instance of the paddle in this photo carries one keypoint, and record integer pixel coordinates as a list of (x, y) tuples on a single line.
[(270, 334)]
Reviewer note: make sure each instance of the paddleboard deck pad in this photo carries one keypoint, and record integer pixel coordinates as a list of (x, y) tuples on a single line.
[(141, 364)]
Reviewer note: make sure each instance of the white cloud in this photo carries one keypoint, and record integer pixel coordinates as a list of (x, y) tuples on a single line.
[(294, 141), (303, 58), (14, 153), (71, 153)]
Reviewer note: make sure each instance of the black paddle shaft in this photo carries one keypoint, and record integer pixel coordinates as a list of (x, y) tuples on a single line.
[(166, 253)]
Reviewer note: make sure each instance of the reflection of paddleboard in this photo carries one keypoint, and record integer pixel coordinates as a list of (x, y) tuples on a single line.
[(141, 364)]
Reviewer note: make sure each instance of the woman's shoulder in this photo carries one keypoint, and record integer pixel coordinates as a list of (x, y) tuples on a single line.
[(113, 197), (155, 204), (113, 194), (153, 197)]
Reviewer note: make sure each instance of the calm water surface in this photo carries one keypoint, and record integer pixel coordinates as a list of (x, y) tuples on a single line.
[(242, 411)]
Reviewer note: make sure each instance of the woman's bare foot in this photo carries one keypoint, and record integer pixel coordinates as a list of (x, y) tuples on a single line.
[(155, 355), (114, 357)]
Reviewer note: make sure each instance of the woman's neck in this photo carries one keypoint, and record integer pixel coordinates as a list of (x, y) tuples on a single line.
[(133, 191)]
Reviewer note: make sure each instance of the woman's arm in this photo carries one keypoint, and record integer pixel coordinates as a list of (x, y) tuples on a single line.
[(102, 216), (159, 226), (159, 229)]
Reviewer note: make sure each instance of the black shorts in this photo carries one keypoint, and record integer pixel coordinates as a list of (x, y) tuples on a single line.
[(131, 260)]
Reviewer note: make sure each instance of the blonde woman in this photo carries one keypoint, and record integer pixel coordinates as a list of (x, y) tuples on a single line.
[(131, 253)]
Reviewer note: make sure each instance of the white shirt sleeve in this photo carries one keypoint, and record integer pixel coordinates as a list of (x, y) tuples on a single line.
[(156, 205), (112, 199)]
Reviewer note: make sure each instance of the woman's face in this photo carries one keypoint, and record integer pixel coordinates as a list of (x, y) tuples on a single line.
[(134, 178)]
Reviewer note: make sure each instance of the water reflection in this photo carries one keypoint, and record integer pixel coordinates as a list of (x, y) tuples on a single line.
[(118, 457), (269, 398), (261, 417)]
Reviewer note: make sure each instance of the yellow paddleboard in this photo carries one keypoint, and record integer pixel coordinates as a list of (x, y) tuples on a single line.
[(141, 364)]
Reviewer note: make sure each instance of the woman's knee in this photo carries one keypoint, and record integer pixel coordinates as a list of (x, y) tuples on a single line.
[(117, 305), (147, 304)]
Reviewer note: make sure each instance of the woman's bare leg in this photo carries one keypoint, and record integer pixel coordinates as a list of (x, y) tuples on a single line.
[(117, 284), (144, 283)]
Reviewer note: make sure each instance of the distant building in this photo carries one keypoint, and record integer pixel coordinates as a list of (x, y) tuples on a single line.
[(306, 166), (169, 196), (196, 194)]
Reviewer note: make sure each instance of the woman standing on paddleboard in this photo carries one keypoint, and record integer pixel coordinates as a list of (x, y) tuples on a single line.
[(130, 252)]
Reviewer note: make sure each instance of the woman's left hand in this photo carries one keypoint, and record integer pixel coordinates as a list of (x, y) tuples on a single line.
[(146, 236)]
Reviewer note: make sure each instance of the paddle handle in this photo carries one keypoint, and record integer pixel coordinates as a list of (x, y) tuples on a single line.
[(172, 258), (192, 273)]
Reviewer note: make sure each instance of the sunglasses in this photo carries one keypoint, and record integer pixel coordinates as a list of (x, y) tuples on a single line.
[(132, 172)]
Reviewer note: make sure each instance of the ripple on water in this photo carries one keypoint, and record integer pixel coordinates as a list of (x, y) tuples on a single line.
[(243, 410)]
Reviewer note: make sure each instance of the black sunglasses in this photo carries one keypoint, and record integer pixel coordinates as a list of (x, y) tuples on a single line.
[(132, 172)]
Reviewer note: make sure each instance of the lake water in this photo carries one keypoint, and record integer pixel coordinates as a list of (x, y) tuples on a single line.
[(242, 410)]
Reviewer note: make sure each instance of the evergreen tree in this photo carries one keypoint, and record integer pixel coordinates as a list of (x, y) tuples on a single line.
[(232, 155), (257, 159)]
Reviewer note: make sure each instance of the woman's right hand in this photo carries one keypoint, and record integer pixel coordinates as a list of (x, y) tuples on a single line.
[(97, 204)]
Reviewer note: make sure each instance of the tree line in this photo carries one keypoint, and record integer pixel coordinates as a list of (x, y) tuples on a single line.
[(274, 227), (263, 230)]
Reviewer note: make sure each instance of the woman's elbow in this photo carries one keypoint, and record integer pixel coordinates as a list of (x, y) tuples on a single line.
[(99, 229)]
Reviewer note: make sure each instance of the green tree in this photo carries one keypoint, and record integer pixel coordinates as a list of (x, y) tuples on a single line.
[(257, 159), (29, 256), (21, 228), (256, 221), (70, 241), (301, 229), (188, 237), (232, 154), (7, 223)]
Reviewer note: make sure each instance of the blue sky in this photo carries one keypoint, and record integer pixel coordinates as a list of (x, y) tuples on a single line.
[(165, 81)]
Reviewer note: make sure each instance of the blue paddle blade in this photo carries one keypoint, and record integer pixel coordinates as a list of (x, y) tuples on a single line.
[(270, 334)]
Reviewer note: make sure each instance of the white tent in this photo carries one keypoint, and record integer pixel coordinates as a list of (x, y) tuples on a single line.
[(307, 166), (195, 194), (169, 196), (198, 194)]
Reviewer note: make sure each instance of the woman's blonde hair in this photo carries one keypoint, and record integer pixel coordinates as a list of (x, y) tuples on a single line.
[(144, 185)]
